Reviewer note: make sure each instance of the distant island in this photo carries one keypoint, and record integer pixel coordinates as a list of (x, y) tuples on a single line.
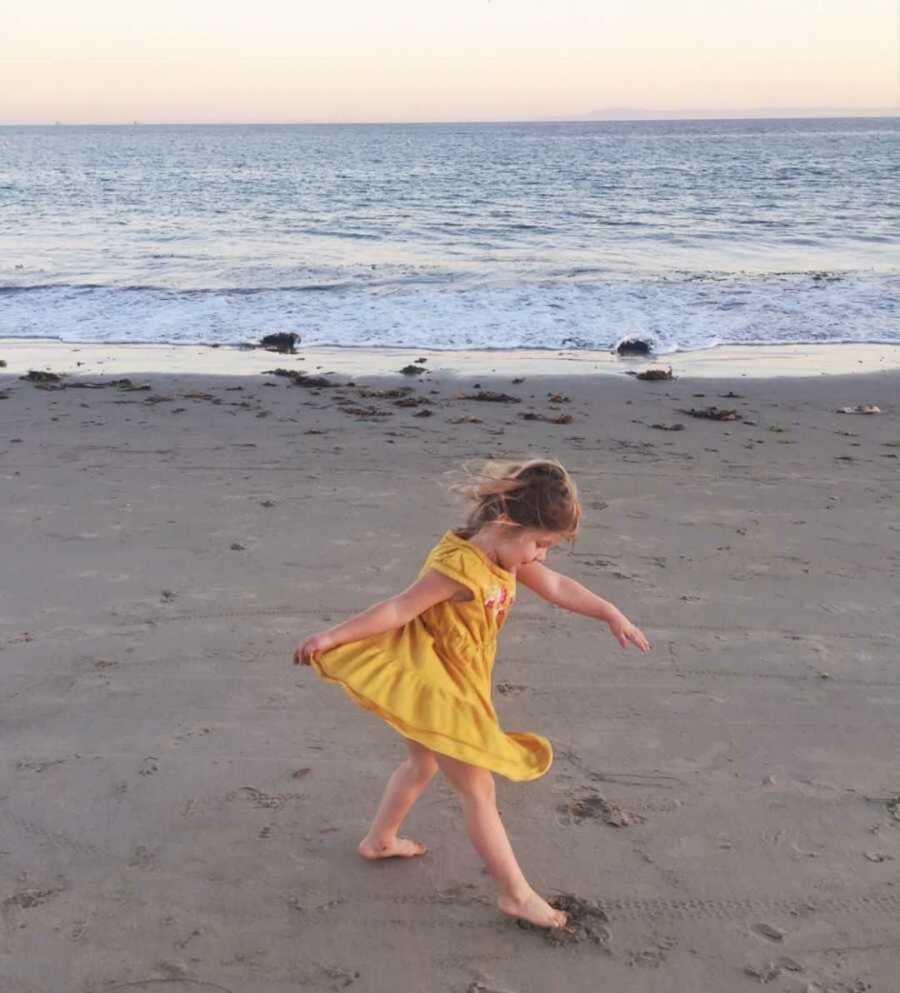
[(642, 114)]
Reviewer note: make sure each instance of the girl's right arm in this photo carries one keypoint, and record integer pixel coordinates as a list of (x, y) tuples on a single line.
[(432, 588)]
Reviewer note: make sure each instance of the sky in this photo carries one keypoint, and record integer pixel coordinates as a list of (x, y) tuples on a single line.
[(236, 61)]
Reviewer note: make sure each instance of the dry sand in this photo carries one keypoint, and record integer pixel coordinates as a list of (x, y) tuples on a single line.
[(180, 806)]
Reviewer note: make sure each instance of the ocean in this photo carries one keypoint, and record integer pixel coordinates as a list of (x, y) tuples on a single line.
[(450, 236)]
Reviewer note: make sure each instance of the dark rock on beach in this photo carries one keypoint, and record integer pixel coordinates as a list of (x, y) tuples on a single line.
[(634, 346), (283, 342)]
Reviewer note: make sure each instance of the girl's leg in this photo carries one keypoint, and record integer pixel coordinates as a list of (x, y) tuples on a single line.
[(401, 792), (476, 788)]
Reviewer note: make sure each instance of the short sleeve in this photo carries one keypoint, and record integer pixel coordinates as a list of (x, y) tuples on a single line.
[(455, 564)]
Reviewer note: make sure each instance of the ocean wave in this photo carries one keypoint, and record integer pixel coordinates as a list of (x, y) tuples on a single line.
[(680, 311)]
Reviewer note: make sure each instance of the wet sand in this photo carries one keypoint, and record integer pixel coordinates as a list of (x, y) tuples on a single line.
[(180, 806)]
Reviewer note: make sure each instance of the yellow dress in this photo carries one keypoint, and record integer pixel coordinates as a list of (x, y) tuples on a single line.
[(431, 679)]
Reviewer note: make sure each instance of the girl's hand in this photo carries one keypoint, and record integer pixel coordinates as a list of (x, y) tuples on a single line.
[(624, 631), (311, 647)]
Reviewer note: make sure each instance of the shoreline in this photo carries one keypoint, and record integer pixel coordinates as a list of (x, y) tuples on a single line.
[(720, 362)]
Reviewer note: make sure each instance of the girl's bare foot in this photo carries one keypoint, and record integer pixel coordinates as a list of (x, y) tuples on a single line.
[(533, 908), (402, 848)]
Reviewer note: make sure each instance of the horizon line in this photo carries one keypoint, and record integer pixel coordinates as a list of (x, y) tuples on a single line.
[(623, 115)]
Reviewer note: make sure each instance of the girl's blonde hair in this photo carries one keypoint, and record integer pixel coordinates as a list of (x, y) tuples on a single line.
[(537, 493)]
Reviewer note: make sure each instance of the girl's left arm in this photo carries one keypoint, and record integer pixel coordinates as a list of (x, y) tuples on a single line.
[(571, 595)]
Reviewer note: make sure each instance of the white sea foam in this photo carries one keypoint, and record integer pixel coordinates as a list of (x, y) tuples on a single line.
[(680, 313)]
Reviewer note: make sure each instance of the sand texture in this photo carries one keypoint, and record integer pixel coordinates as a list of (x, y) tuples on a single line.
[(179, 806)]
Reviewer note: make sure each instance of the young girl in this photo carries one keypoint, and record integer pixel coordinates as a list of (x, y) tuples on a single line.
[(422, 661)]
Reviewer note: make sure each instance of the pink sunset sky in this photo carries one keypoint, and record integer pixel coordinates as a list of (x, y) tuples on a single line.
[(104, 61)]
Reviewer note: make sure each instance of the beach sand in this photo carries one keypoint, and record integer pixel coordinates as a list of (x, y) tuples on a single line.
[(180, 806)]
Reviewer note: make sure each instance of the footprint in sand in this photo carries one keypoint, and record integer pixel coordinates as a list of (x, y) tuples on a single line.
[(143, 858), (592, 806), (585, 922)]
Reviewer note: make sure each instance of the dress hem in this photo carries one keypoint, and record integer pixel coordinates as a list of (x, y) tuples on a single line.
[(427, 738)]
